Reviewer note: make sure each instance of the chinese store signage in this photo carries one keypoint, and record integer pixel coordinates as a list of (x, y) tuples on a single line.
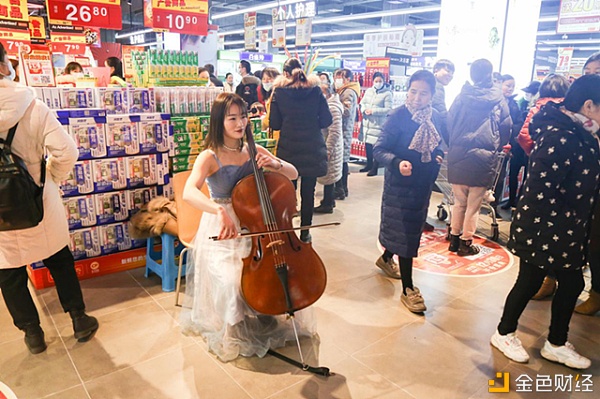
[(14, 10), (303, 9), (91, 13), (181, 16)]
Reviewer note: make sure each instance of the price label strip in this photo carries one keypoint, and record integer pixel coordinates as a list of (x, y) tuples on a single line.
[(14, 34), (95, 13), (68, 39), (181, 16)]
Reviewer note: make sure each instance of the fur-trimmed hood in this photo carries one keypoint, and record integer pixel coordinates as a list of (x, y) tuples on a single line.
[(312, 80)]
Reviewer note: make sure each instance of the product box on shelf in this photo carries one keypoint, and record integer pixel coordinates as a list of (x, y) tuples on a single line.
[(183, 163), (114, 99), (89, 136), (93, 267), (141, 171), (65, 114), (85, 243), (154, 133), (114, 238), (122, 135), (111, 207), (185, 124), (141, 100), (188, 149), (80, 211), (138, 197), (109, 174), (73, 97), (80, 180)]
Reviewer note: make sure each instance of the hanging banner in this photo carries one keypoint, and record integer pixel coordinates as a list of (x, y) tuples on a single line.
[(563, 63), (181, 16), (291, 12), (250, 31), (97, 13), (410, 40), (303, 31), (14, 34), (263, 41), (278, 30), (578, 16), (148, 13), (37, 29), (37, 65), (373, 65), (14, 10)]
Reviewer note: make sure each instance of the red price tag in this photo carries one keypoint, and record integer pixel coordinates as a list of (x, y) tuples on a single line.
[(68, 48), (180, 21), (13, 46), (86, 13)]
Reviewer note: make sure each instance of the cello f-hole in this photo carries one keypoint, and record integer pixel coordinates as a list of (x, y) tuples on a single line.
[(296, 248), (259, 251)]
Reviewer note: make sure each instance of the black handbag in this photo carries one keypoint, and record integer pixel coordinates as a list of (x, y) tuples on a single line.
[(21, 199)]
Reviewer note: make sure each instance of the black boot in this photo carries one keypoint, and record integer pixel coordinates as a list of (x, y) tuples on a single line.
[(466, 248), (454, 243), (34, 339), (84, 326), (323, 208), (366, 168), (305, 236)]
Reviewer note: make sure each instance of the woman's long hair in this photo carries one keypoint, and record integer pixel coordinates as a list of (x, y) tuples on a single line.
[(118, 65)]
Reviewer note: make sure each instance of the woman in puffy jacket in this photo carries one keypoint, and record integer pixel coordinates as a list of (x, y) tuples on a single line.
[(299, 111), (334, 140), (375, 106)]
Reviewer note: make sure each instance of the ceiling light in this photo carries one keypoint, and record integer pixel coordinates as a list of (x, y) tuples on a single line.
[(273, 4), (374, 30), (550, 18), (137, 32), (562, 42)]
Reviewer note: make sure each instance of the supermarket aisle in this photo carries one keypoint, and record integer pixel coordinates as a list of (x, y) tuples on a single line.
[(376, 347)]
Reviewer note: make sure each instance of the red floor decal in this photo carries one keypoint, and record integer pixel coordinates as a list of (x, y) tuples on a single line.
[(435, 258)]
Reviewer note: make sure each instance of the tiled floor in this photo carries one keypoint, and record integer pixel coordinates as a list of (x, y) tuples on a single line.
[(375, 347)]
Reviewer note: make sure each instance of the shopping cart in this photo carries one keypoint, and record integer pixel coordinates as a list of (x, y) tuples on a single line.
[(444, 211)]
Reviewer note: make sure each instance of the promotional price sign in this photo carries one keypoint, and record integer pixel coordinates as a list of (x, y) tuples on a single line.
[(14, 34), (578, 16), (303, 31), (14, 10), (37, 29), (181, 16), (37, 64), (97, 13), (563, 63), (68, 39)]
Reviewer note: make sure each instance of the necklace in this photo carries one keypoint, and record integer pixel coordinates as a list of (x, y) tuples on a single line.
[(232, 149)]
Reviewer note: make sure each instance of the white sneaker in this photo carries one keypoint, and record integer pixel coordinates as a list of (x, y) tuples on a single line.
[(566, 355), (510, 346)]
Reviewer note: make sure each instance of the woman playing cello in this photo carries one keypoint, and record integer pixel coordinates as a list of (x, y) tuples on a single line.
[(218, 310)]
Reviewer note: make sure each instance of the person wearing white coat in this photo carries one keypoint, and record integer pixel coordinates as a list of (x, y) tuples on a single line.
[(39, 134), (375, 106)]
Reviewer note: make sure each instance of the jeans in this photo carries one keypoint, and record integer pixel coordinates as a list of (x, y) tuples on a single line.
[(518, 161), (13, 283), (467, 203), (307, 198), (529, 281)]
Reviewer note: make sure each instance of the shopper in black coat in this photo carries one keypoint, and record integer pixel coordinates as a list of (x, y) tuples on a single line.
[(408, 148), (552, 221), (299, 110)]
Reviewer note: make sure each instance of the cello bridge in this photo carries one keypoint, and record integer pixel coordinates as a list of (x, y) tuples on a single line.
[(276, 242)]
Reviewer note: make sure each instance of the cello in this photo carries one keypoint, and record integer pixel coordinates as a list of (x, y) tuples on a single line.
[(282, 274)]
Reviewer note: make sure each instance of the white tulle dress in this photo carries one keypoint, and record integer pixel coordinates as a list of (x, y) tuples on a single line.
[(214, 307)]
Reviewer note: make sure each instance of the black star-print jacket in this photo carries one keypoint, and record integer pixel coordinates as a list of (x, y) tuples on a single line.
[(553, 217)]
